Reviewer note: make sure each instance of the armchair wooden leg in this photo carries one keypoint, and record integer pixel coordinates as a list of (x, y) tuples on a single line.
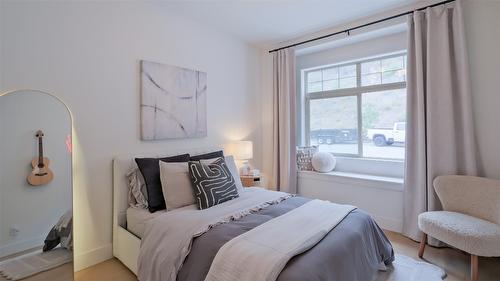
[(474, 267), (422, 245)]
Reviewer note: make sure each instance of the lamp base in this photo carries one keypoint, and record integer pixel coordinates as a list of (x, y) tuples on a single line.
[(245, 169)]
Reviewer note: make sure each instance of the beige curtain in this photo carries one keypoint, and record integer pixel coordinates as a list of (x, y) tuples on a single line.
[(284, 176), (440, 134)]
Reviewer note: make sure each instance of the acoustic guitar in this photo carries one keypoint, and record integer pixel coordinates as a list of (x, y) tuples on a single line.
[(41, 173)]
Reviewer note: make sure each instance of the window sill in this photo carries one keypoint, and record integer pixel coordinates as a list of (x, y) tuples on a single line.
[(371, 181), (373, 159)]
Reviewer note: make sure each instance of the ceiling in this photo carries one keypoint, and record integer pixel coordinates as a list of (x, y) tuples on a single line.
[(268, 22)]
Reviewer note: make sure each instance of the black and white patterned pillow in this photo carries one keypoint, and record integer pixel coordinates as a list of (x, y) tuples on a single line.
[(212, 183)]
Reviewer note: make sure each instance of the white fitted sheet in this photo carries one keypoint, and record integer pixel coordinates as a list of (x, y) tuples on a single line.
[(137, 219)]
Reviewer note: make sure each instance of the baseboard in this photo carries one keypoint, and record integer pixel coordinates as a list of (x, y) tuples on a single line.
[(389, 223), (93, 257), (20, 246)]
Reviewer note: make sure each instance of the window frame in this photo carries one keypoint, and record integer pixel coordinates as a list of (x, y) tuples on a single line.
[(357, 91)]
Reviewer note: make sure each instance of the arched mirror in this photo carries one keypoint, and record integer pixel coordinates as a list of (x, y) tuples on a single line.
[(36, 220)]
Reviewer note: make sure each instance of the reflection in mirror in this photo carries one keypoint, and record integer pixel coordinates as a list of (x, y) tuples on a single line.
[(36, 222)]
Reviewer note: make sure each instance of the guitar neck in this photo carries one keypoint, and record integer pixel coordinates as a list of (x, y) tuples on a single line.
[(40, 152)]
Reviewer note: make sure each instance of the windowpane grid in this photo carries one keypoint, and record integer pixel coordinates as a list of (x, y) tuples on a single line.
[(331, 73), (314, 76), (383, 71), (333, 120), (329, 85), (332, 78)]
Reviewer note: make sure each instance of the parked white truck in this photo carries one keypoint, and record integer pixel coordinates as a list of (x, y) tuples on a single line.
[(381, 137)]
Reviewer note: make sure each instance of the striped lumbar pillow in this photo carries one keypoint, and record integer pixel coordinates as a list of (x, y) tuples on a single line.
[(212, 183)]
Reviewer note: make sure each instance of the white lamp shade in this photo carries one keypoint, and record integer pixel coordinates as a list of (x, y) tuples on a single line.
[(241, 150)]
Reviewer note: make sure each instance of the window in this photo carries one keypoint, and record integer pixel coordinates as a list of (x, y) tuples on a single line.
[(358, 109), (332, 78)]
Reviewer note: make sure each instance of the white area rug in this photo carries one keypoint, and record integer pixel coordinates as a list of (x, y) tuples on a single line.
[(33, 263), (407, 269)]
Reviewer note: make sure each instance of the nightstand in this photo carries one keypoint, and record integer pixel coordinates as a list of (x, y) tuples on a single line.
[(249, 181)]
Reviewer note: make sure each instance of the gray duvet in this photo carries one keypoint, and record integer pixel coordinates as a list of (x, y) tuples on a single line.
[(353, 250)]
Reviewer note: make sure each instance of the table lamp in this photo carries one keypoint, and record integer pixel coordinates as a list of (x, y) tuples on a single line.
[(242, 151)]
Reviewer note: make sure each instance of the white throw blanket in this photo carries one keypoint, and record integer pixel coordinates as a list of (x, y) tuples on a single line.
[(168, 237), (261, 253)]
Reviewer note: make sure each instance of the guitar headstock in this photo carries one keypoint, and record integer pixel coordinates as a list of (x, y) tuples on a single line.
[(39, 134)]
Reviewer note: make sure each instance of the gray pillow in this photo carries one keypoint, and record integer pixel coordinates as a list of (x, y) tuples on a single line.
[(212, 183), (137, 192), (176, 185)]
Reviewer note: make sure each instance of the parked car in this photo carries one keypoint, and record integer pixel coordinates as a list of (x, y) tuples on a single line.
[(331, 136), (381, 137)]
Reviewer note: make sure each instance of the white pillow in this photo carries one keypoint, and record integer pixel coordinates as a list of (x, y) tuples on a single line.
[(176, 185), (137, 193), (231, 165)]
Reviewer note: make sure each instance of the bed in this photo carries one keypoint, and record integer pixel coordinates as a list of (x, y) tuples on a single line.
[(137, 218), (354, 250)]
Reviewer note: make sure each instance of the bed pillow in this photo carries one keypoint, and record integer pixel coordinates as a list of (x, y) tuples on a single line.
[(137, 193), (176, 185), (150, 169), (210, 155), (212, 183), (232, 168)]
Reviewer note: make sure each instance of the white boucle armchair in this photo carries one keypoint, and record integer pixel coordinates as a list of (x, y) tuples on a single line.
[(470, 220)]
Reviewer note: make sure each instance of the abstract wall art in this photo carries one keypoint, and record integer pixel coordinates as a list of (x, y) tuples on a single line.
[(173, 102)]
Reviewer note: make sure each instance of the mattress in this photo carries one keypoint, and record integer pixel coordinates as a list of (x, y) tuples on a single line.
[(137, 219)]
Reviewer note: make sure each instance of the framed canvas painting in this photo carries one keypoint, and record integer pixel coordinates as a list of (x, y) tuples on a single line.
[(173, 102)]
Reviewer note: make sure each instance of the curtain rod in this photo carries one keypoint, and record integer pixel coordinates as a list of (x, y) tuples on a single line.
[(360, 26)]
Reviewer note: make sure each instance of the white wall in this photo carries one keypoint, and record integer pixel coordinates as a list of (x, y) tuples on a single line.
[(88, 53), (266, 99), (355, 51), (33, 210)]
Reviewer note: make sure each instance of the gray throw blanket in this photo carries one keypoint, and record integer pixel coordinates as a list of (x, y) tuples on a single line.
[(354, 250), (261, 254)]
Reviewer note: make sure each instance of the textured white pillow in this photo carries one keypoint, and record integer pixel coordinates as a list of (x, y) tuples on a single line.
[(176, 185), (231, 165), (323, 162), (137, 193)]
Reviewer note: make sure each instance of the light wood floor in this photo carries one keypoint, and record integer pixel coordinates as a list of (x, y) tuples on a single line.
[(454, 262)]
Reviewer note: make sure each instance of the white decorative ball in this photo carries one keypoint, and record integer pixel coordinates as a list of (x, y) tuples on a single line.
[(323, 162)]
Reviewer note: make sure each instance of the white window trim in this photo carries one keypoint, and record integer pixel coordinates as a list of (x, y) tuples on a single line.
[(357, 91)]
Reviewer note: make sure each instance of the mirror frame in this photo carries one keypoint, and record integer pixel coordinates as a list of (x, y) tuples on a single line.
[(72, 154)]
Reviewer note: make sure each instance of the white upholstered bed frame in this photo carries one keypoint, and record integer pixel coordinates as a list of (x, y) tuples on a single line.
[(125, 244)]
